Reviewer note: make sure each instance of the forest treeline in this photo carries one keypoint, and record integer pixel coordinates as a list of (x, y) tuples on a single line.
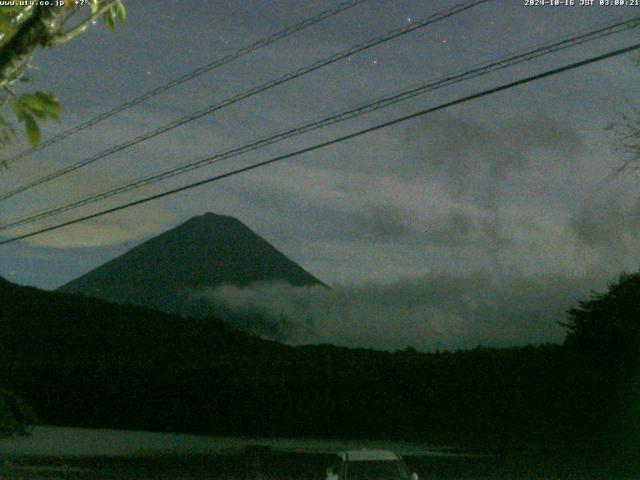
[(85, 362)]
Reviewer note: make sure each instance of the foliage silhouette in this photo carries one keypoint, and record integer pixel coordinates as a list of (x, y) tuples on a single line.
[(604, 343)]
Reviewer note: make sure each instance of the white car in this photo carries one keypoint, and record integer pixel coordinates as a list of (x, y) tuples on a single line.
[(369, 465)]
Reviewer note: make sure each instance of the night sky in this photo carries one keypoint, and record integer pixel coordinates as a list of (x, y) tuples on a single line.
[(479, 224)]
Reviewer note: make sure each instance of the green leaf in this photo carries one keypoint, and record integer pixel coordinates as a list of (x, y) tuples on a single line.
[(40, 104), (26, 107), (121, 12), (18, 110), (49, 102), (115, 12), (32, 129), (33, 103), (48, 98), (109, 18)]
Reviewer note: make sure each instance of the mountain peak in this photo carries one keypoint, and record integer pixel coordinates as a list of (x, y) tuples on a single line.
[(210, 215), (202, 253), (211, 220), (214, 217)]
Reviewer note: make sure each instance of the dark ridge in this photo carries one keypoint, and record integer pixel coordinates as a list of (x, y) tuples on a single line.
[(79, 361)]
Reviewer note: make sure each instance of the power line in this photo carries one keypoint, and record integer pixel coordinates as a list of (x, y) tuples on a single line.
[(249, 93), (485, 69), (245, 50), (334, 141)]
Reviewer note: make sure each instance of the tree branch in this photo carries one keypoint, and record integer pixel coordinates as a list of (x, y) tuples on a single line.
[(36, 30), (81, 27), (8, 96)]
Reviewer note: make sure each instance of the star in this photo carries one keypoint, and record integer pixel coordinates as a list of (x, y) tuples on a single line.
[(409, 19), (375, 62)]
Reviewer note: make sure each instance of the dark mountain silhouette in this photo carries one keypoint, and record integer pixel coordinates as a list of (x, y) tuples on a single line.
[(87, 362), (80, 361), (206, 251)]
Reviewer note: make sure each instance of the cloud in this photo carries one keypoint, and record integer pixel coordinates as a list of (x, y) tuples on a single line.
[(476, 160), (455, 228), (383, 222), (612, 225), (129, 225), (453, 191), (608, 227), (105, 231), (429, 312)]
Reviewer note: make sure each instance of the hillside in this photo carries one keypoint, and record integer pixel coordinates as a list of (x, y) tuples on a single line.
[(85, 362), (168, 271)]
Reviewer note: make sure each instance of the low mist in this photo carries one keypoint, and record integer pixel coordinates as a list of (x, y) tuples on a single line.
[(429, 313)]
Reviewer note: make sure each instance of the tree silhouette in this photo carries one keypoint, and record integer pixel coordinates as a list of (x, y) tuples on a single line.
[(604, 334), (606, 328)]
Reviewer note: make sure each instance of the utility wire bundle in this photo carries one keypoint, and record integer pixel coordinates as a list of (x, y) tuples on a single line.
[(498, 64), (336, 57)]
